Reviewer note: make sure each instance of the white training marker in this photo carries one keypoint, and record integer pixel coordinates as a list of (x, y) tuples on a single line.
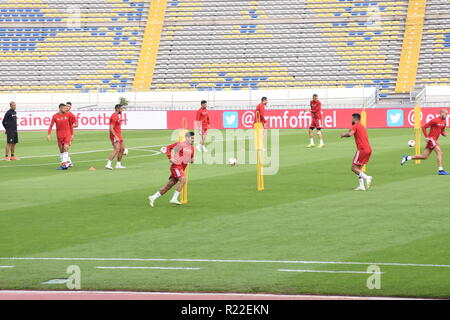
[(56, 281), (151, 268), (328, 271)]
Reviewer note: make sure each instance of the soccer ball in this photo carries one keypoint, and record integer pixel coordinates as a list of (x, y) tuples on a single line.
[(411, 143), (232, 161), (163, 150), (125, 151)]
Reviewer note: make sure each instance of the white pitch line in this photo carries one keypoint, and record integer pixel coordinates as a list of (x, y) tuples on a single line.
[(152, 268), (232, 261), (5, 267), (328, 271), (80, 161), (105, 150), (85, 152)]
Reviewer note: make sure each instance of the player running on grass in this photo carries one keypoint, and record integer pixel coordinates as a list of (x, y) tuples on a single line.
[(316, 121), (183, 154), (363, 153), (437, 128), (64, 124), (115, 135), (202, 123)]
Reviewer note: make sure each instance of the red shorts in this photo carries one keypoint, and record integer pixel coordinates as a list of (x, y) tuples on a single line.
[(176, 173), (112, 139), (431, 144), (64, 141), (362, 156), (316, 123)]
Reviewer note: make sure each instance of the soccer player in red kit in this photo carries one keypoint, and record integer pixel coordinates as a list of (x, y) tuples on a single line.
[(64, 122), (115, 135), (363, 153), (202, 123), (74, 125), (260, 112), (316, 121), (180, 154), (437, 128)]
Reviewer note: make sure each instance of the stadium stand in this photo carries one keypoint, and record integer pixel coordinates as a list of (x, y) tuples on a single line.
[(434, 61), (53, 46), (277, 44), (130, 45)]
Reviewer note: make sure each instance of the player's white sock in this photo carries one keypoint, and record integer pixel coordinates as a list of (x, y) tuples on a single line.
[(441, 168), (68, 158), (175, 195), (321, 141), (109, 163), (61, 159), (361, 182), (363, 175), (118, 163), (311, 140), (156, 195), (409, 158), (65, 156)]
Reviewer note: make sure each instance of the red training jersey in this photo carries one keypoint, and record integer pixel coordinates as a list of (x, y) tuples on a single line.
[(115, 121), (203, 117), (437, 127), (64, 123), (360, 134), (183, 154), (316, 109), (259, 113)]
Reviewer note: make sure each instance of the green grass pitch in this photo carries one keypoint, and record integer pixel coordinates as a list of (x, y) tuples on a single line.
[(308, 212)]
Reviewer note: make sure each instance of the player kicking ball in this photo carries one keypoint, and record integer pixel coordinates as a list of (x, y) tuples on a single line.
[(64, 124), (363, 153), (183, 154), (437, 128)]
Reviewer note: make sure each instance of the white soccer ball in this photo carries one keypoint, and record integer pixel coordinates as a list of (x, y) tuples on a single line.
[(163, 150), (125, 151), (232, 161), (411, 143)]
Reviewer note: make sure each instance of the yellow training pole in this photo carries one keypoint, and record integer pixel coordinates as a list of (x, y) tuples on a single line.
[(182, 138), (259, 139), (364, 123), (417, 129)]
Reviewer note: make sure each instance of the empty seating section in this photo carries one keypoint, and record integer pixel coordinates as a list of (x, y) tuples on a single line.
[(257, 44), (279, 9), (63, 11), (86, 45), (83, 45), (367, 51), (434, 61)]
